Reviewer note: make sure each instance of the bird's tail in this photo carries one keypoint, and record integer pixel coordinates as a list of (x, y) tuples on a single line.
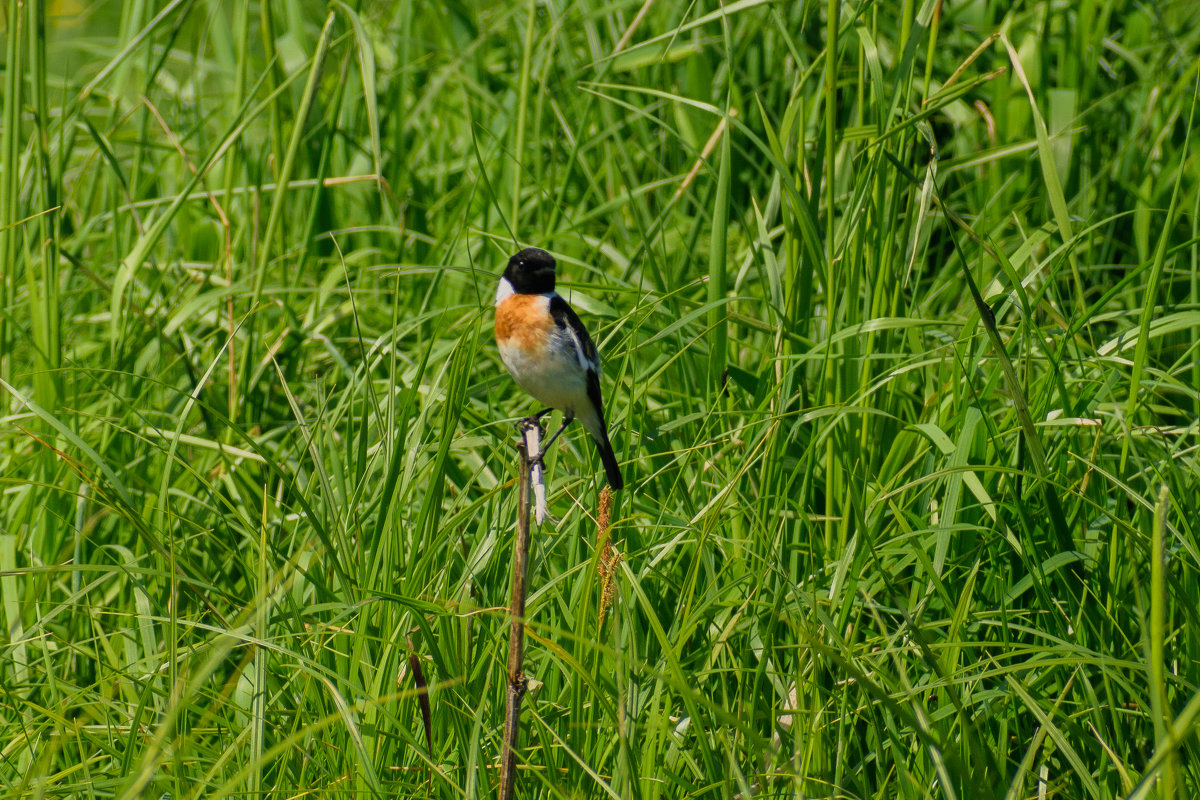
[(611, 468), (599, 431)]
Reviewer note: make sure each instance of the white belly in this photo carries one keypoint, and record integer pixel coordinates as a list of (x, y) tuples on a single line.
[(553, 376)]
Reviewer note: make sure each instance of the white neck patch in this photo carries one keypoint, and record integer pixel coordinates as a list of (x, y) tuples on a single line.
[(504, 291)]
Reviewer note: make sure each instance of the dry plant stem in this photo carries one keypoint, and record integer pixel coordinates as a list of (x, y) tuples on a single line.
[(516, 635), (414, 665), (709, 146)]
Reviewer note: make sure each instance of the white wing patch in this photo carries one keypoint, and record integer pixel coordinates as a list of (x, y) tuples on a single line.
[(576, 343), (583, 360)]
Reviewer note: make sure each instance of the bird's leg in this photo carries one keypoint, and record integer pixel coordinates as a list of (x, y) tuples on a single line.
[(550, 441), (566, 421)]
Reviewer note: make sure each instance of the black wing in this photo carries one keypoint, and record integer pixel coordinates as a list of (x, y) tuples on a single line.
[(585, 350), (566, 318)]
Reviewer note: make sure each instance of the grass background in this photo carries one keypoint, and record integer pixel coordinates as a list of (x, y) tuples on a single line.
[(256, 448)]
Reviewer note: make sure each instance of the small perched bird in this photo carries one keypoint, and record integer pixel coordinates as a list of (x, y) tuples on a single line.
[(548, 351)]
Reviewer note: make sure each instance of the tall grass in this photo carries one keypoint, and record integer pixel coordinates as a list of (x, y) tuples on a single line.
[(900, 311)]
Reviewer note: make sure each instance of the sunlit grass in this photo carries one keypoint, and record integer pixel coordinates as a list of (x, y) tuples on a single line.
[(881, 537)]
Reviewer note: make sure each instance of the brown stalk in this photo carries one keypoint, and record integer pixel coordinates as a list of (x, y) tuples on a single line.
[(516, 636)]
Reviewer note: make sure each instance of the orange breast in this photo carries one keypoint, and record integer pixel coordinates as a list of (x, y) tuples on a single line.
[(524, 321)]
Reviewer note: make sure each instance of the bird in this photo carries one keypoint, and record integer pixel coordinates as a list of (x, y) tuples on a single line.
[(548, 352)]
